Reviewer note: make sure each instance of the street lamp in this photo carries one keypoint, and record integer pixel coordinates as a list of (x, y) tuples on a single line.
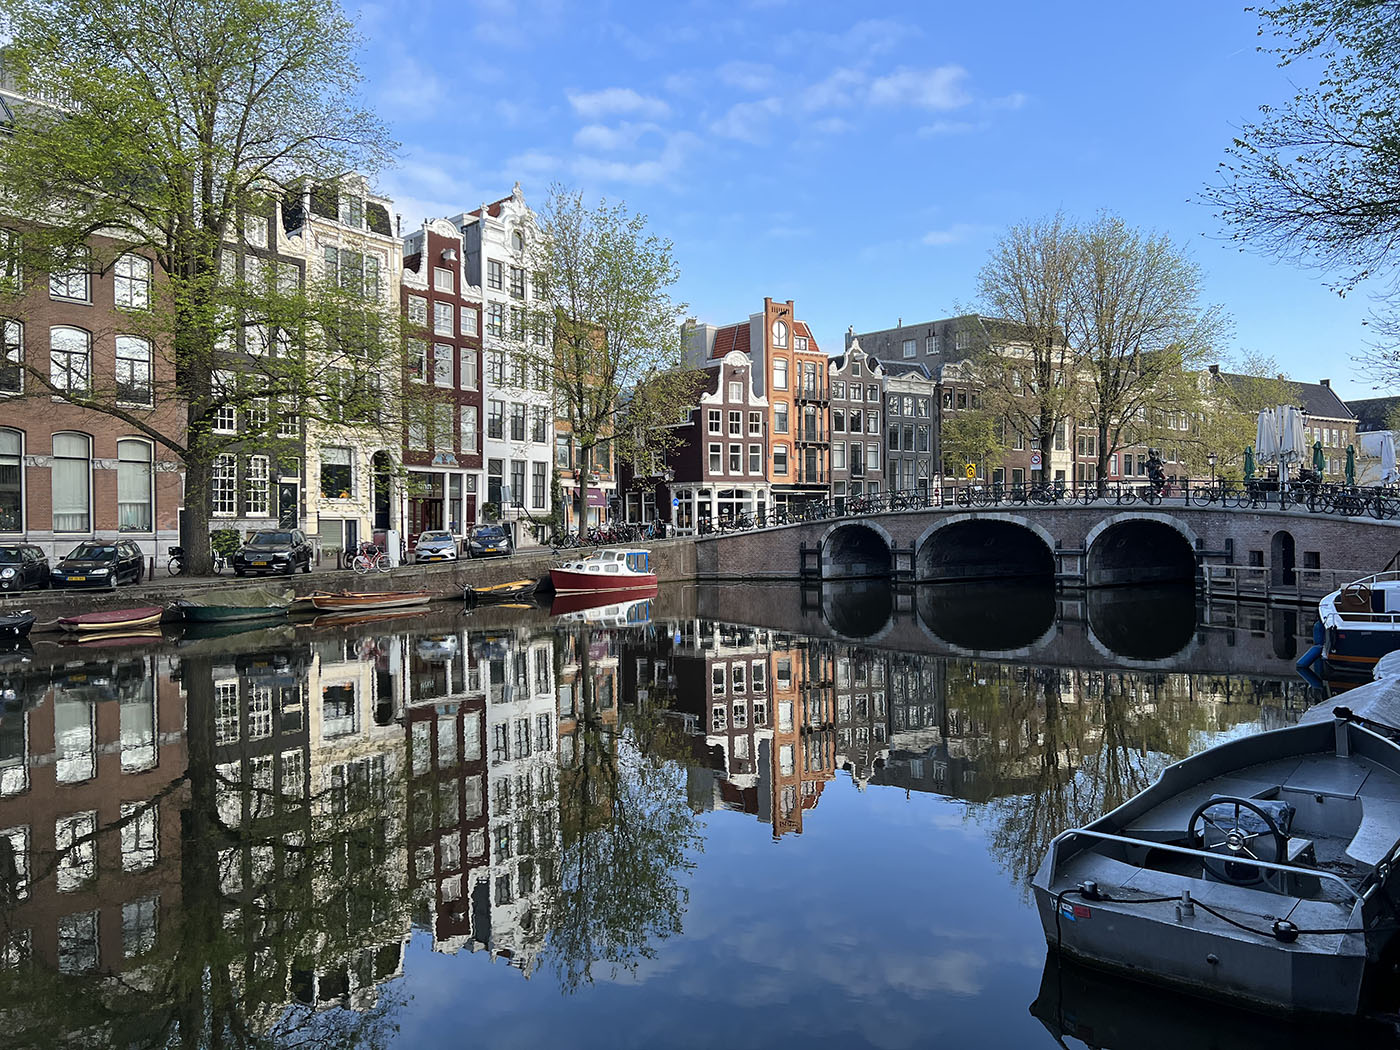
[(1210, 458)]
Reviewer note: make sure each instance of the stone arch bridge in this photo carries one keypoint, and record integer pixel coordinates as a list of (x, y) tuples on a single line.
[(1095, 545)]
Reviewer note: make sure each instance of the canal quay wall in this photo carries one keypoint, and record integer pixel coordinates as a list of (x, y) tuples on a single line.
[(672, 560)]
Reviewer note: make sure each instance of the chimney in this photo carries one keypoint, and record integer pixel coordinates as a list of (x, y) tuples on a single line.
[(1327, 383), (1215, 370), (899, 322), (398, 224)]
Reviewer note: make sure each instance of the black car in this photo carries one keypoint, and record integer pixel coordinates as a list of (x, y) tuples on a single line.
[(488, 541), (273, 550), (23, 565), (98, 563)]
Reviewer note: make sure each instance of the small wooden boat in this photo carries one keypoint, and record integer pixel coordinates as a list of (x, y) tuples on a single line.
[(347, 601), (612, 569), (16, 624), (235, 605), (499, 592), (113, 619)]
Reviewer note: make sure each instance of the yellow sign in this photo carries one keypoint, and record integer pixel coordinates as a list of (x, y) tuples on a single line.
[(970, 471)]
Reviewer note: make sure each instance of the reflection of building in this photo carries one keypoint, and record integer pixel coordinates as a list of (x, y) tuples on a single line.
[(89, 823), (861, 713)]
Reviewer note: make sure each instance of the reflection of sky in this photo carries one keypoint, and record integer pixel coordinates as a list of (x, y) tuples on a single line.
[(885, 924)]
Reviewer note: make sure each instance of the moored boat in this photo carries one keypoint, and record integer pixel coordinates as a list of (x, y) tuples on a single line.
[(619, 608), (1361, 621), (1259, 871), (514, 590), (232, 605), (16, 624), (347, 601), (113, 619), (609, 569)]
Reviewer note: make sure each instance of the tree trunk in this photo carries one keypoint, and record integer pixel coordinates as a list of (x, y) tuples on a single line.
[(195, 536), (1103, 456)]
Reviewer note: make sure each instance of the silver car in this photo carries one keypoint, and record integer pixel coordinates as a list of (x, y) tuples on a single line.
[(435, 545)]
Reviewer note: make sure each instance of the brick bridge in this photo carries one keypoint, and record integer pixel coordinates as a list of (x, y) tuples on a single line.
[(1097, 545)]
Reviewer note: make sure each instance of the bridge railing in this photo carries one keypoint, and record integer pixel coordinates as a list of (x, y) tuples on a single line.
[(1381, 502)]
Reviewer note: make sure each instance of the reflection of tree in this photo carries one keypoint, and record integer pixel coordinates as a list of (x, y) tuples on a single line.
[(264, 903), (627, 837)]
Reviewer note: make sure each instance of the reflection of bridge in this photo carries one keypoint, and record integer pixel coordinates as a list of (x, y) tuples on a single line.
[(1099, 544), (1152, 628)]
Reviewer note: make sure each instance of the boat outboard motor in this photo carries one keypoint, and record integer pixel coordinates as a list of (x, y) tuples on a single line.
[(1240, 830)]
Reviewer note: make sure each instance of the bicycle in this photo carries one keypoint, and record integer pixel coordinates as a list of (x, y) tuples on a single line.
[(176, 564), (370, 558)]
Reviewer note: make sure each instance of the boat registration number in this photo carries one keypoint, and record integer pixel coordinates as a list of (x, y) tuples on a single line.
[(77, 579), (263, 563)]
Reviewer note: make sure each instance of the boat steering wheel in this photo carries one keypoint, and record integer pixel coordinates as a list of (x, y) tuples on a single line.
[(1224, 833)]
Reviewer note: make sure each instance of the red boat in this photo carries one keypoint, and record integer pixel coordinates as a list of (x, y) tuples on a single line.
[(611, 569), (589, 601), (113, 619)]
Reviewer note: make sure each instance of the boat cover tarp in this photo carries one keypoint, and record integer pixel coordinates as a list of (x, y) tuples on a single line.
[(1379, 701), (243, 598)]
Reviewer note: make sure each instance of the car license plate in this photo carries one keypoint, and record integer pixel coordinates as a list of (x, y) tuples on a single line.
[(262, 563), (77, 579)]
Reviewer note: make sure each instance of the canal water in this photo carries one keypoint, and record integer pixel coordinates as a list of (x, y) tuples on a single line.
[(730, 817)]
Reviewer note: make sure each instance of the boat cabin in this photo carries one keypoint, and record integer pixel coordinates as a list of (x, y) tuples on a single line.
[(613, 562)]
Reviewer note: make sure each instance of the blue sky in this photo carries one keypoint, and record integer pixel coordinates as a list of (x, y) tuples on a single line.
[(860, 159)]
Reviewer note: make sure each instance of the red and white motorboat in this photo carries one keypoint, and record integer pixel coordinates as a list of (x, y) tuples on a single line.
[(610, 569)]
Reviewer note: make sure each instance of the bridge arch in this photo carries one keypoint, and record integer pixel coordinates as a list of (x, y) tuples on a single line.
[(854, 549), (1139, 547), (984, 546)]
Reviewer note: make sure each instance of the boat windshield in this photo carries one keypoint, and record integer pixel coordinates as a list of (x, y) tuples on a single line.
[(271, 539), (93, 552)]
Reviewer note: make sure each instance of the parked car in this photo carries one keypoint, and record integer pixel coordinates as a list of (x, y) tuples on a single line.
[(488, 541), (23, 565), (97, 563), (273, 550), (435, 545)]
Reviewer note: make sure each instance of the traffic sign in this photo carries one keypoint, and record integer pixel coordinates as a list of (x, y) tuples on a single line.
[(675, 501), (971, 471), (1035, 460)]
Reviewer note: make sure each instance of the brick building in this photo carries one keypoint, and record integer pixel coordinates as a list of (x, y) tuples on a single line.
[(442, 450), (856, 385)]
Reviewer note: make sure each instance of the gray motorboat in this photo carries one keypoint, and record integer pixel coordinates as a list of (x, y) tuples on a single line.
[(1258, 871)]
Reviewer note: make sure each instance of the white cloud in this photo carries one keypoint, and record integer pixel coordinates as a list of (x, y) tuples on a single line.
[(832, 125), (592, 105), (747, 121), (947, 127), (603, 139), (1015, 100), (650, 171), (954, 234), (936, 88), (746, 76), (837, 91), (532, 162)]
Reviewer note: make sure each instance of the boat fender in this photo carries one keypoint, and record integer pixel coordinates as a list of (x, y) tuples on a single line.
[(1309, 658), (1319, 632)]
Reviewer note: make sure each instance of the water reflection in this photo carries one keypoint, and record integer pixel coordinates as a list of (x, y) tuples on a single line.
[(235, 840)]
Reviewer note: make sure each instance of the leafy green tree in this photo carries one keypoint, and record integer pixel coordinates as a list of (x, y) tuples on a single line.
[(971, 437), (160, 125)]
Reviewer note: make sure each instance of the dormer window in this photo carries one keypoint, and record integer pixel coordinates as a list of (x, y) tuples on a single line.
[(780, 335), (352, 211)]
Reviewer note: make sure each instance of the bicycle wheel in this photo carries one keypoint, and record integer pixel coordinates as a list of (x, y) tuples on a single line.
[(218, 564), (361, 564), (381, 562), (1152, 497), (175, 566)]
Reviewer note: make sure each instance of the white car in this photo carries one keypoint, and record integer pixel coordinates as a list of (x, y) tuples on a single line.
[(435, 545)]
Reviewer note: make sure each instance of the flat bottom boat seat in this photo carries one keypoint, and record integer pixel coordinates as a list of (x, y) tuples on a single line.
[(1377, 836)]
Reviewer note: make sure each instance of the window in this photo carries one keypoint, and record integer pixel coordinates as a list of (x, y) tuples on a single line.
[(442, 364), (838, 455), (11, 481), (11, 271), (11, 357), (442, 420), (495, 368), (133, 485), (736, 424), (517, 372), (69, 359), (780, 460), (539, 424), (799, 342), (466, 358), (892, 405), (223, 495), (755, 424), (72, 483), (469, 439), (494, 473), (139, 925), (716, 421), (838, 421), (517, 480), (716, 458), (517, 282), (911, 348), (443, 321), (496, 320), (780, 418), (469, 319), (780, 374), (517, 322), (563, 451), (337, 472), (256, 483), (962, 340), (537, 485), (931, 344), (755, 459), (140, 843), (444, 280), (893, 440), (132, 282), (517, 422), (77, 942), (780, 334), (857, 392), (872, 456), (418, 360), (736, 459), (74, 839), (494, 277), (134, 371), (923, 437), (73, 281), (838, 389)]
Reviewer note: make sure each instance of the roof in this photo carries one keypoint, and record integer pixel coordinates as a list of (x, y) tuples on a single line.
[(731, 337), (1316, 399), (800, 328), (1373, 413), (904, 368), (493, 209)]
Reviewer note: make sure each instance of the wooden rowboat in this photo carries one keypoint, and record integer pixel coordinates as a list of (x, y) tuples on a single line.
[(499, 592), (113, 619), (347, 601)]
